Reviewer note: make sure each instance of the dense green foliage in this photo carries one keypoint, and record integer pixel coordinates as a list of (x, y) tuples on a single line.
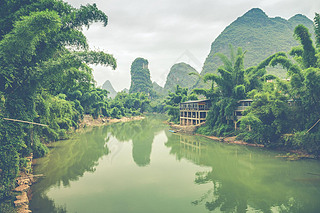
[(35, 67), (317, 28), (178, 75), (158, 90), (140, 77), (259, 35), (231, 85), (292, 107), (283, 112), (172, 102), (45, 78), (125, 104)]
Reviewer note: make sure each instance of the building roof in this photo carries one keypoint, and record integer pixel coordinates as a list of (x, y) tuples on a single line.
[(195, 101)]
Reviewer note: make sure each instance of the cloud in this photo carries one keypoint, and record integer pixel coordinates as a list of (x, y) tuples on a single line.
[(160, 31)]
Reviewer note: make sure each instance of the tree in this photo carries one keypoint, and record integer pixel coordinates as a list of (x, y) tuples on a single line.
[(317, 28), (226, 89), (289, 107), (173, 101), (41, 41)]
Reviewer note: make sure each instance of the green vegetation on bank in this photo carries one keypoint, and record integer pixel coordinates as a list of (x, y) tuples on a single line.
[(45, 78), (174, 99), (284, 112)]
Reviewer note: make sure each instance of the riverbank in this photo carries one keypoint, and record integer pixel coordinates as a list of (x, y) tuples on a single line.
[(290, 155), (88, 120), (24, 181), (192, 130), (26, 177)]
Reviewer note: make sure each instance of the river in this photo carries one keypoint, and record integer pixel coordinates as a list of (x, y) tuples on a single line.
[(142, 167)]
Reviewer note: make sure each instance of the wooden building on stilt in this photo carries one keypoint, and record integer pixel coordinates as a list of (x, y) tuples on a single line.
[(194, 112)]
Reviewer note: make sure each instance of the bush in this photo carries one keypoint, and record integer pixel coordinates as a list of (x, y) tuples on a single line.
[(7, 206), (309, 142), (39, 149)]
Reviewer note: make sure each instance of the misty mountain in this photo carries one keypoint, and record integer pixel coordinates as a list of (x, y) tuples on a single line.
[(157, 88), (108, 86), (140, 76), (179, 75)]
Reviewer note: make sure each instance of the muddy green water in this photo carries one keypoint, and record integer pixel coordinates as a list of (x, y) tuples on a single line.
[(141, 167)]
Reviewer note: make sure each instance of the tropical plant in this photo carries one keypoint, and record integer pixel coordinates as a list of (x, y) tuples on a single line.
[(41, 43), (173, 101)]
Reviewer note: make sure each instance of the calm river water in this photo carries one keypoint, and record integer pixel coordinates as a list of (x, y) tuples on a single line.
[(141, 167)]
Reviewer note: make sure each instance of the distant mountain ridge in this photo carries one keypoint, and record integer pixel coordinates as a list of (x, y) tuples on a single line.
[(259, 35), (108, 86)]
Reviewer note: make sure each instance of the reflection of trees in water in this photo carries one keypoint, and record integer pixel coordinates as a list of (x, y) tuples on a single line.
[(47, 205), (236, 182), (77, 156), (142, 134), (141, 149), (68, 163)]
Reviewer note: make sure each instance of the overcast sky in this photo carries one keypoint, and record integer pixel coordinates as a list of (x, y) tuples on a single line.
[(163, 31)]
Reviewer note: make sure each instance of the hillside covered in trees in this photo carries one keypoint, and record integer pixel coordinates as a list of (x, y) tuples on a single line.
[(140, 76), (259, 35), (283, 113), (179, 75)]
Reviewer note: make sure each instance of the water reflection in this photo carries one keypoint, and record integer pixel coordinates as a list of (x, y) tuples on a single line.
[(69, 160), (245, 179), (142, 134), (181, 172), (68, 163)]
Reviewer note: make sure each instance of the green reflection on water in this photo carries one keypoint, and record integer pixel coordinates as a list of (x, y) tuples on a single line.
[(141, 167), (250, 179)]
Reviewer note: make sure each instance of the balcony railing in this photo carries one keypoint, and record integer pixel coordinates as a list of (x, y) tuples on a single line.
[(205, 107), (242, 108)]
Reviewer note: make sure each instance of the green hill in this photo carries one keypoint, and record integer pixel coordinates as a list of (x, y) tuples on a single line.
[(157, 88), (108, 86), (179, 75), (140, 76), (259, 35)]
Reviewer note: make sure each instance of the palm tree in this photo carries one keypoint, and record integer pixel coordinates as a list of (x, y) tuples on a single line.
[(231, 78)]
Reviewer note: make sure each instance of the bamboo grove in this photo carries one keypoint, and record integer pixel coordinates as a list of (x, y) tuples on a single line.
[(45, 78)]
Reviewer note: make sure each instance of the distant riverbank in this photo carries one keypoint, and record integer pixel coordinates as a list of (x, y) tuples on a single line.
[(88, 120), (192, 130), (291, 154)]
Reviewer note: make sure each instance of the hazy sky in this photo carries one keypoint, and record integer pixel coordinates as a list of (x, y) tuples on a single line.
[(162, 31)]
